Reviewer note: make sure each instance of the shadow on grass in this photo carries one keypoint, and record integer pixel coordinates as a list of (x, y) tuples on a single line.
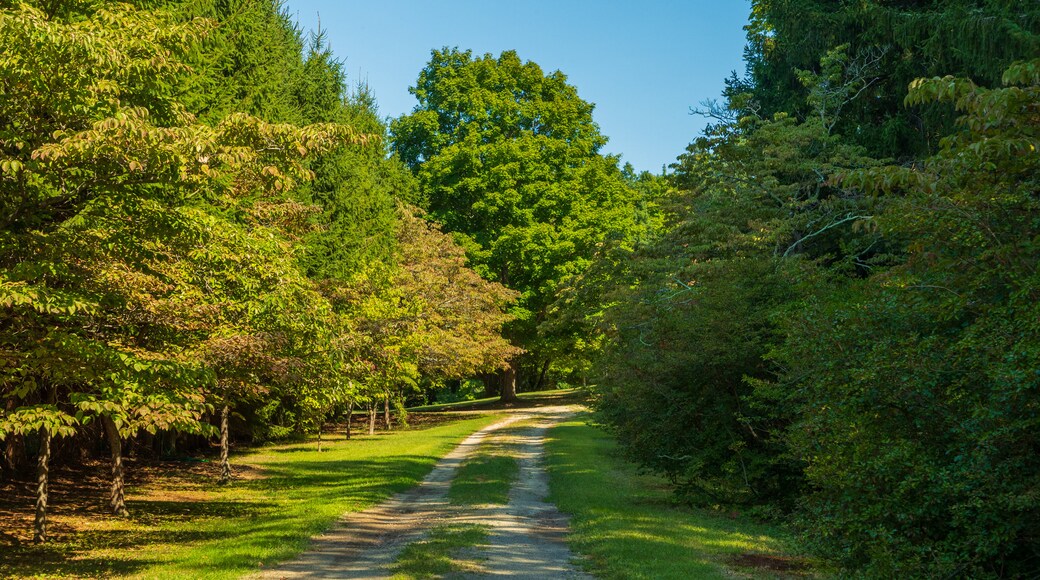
[(200, 537), (56, 559), (628, 525), (184, 525)]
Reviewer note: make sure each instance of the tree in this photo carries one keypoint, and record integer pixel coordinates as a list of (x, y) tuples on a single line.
[(976, 39), (508, 161), (457, 332), (258, 62), (427, 315), (105, 182), (923, 462)]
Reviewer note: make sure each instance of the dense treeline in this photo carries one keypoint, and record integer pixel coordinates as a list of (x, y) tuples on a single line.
[(507, 159), (838, 319), (827, 312), (201, 223)]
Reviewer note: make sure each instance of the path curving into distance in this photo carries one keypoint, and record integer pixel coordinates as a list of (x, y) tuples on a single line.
[(526, 538)]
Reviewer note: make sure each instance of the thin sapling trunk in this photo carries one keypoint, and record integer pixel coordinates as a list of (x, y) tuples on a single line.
[(42, 487), (350, 416), (225, 451), (117, 500), (372, 418), (541, 376)]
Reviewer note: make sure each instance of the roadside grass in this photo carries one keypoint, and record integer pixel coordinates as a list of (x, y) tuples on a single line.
[(486, 476), (446, 550), (532, 399), (452, 406), (191, 527), (627, 525)]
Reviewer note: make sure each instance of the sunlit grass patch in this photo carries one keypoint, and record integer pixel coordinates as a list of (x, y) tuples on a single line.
[(627, 525), (533, 399), (447, 549), (484, 479), (486, 476), (200, 529)]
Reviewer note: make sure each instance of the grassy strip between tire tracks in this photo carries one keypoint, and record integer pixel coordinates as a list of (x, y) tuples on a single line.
[(487, 475), (447, 549), (202, 530), (627, 525)]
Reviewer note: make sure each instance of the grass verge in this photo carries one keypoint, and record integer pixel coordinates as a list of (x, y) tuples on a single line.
[(189, 527), (532, 399), (486, 476), (444, 551), (628, 526)]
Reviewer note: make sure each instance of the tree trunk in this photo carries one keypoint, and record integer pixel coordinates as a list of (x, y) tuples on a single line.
[(320, 425), (350, 417), (14, 453), (386, 412), (225, 451), (117, 500), (492, 383), (372, 418), (12, 444), (508, 384), (43, 483), (170, 444), (541, 377)]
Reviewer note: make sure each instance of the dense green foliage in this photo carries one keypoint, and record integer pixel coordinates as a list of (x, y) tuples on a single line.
[(827, 311), (201, 223), (507, 159), (925, 459), (889, 44), (821, 332)]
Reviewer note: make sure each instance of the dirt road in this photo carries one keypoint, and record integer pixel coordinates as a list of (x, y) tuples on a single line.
[(525, 539)]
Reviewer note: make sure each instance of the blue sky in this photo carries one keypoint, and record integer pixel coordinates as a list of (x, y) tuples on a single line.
[(643, 64)]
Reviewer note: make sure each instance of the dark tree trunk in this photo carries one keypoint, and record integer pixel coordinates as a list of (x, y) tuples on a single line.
[(170, 444), (541, 376), (320, 425), (225, 450), (372, 418), (42, 487), (492, 383), (14, 452), (508, 384), (386, 413), (350, 417), (117, 500), (12, 445)]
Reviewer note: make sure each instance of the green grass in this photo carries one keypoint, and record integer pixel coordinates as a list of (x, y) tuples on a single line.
[(484, 479), (487, 475), (196, 529), (442, 552), (452, 406), (532, 399), (628, 526)]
